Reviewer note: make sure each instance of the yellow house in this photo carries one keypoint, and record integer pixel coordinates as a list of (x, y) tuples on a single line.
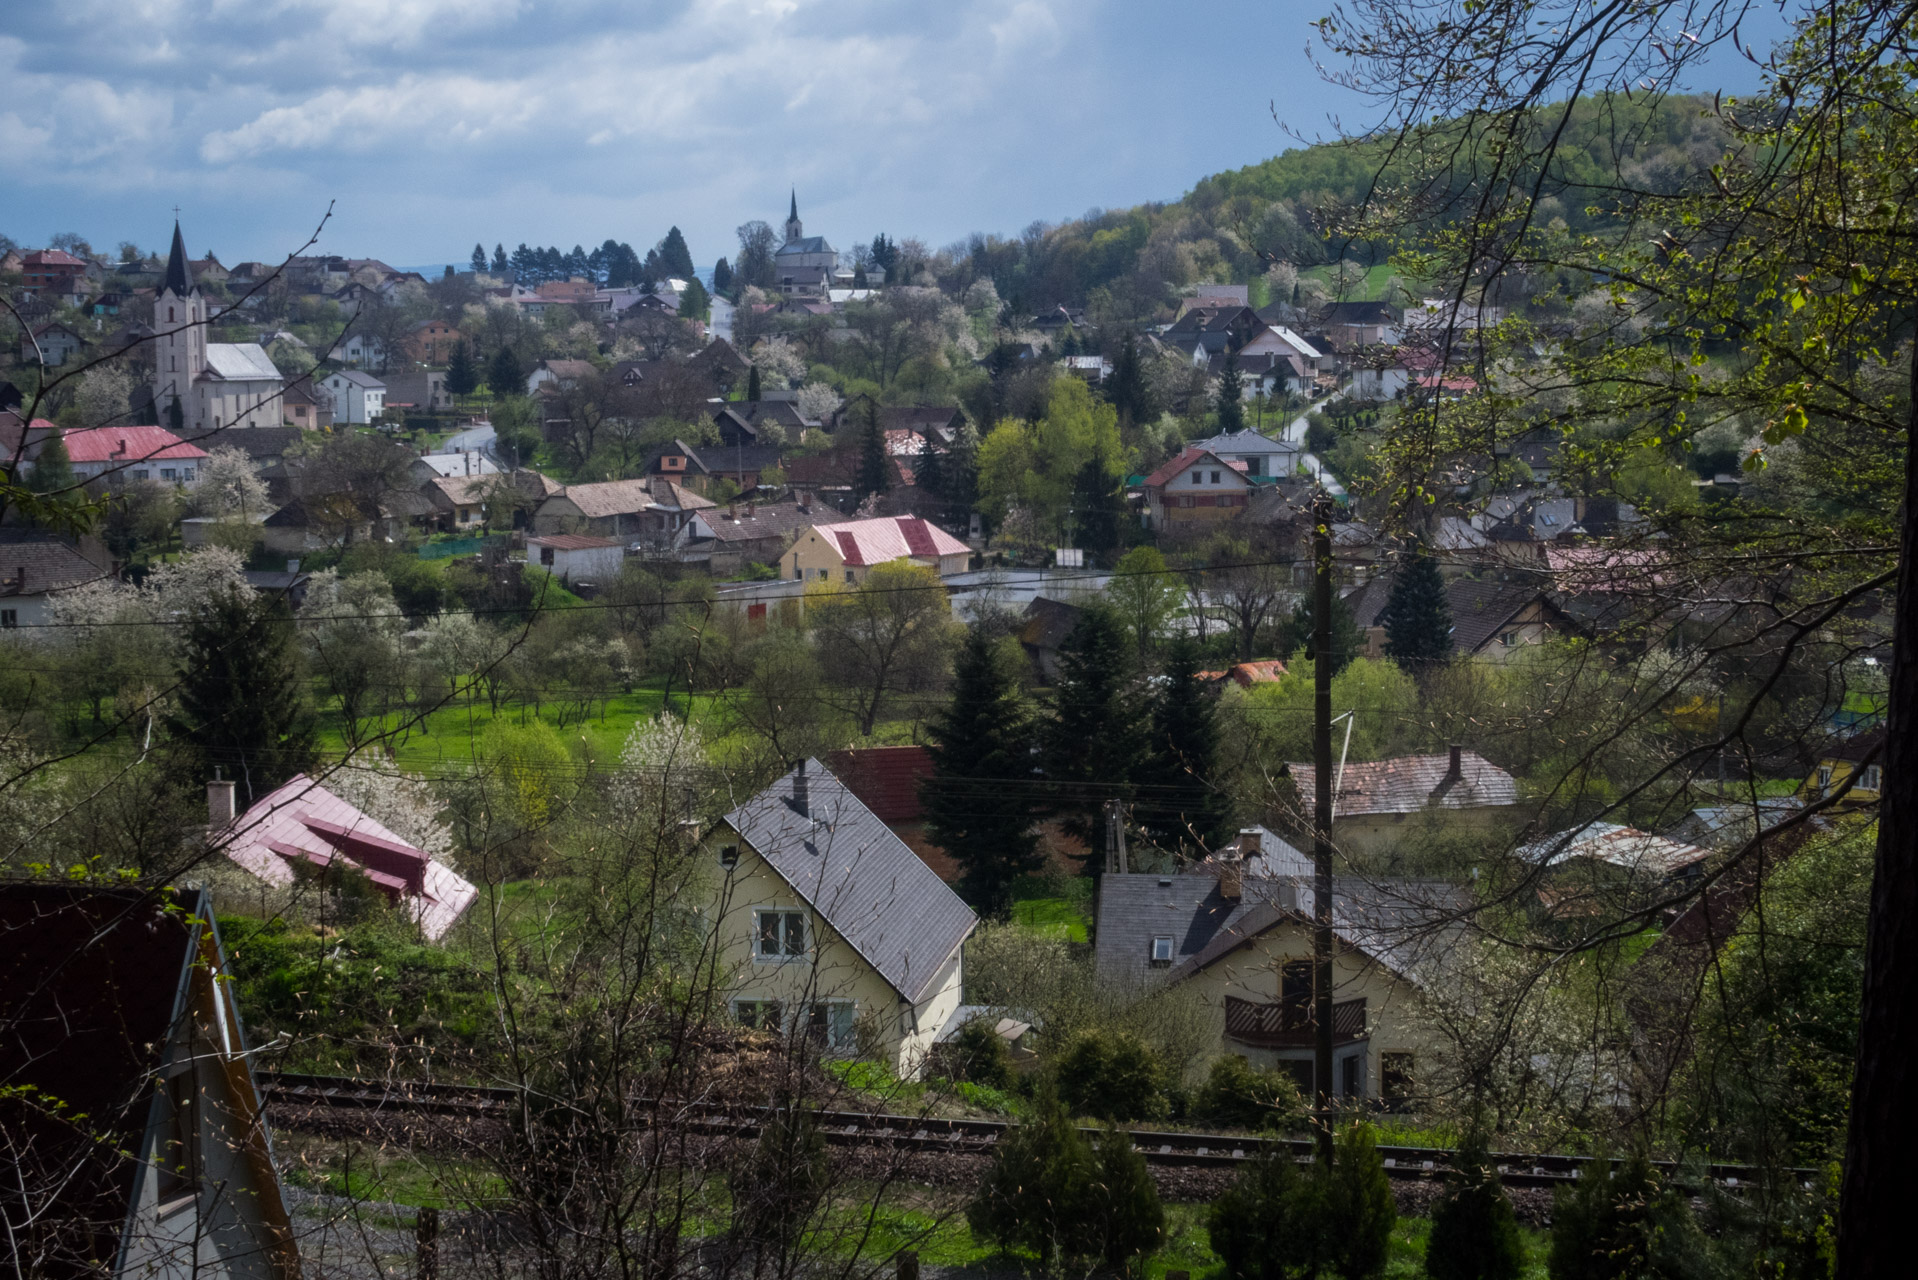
[(1858, 760), (830, 927), (847, 552), (1242, 946)]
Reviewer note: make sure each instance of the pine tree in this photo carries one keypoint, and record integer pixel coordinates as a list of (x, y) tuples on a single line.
[(675, 259), (1231, 401), (1098, 740), (462, 377), (479, 259), (504, 376), (722, 276), (752, 384), (1359, 1211), (1186, 807), (978, 808), (1127, 389), (52, 467), (1474, 1232), (1417, 618), (1034, 1192), (872, 456), (499, 260), (1301, 638), (242, 704)]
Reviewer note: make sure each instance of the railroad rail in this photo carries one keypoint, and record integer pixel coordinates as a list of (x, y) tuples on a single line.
[(950, 1135)]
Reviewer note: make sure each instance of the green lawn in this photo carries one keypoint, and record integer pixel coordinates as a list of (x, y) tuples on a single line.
[(1373, 290), (1057, 908)]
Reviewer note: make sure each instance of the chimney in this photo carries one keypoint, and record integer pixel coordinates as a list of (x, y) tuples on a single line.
[(1248, 842), (802, 798), (219, 801), (749, 509), (1231, 880), (1455, 770)]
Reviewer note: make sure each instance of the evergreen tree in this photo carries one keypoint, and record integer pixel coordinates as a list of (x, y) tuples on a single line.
[(1123, 1218), (1474, 1232), (1300, 635), (479, 258), (722, 276), (1231, 402), (1034, 1192), (1099, 514), (859, 276), (977, 807), (1622, 1223), (695, 304), (872, 457), (175, 415), (525, 264), (929, 470), (752, 384), (1098, 740), (675, 259), (504, 376), (1359, 1211), (462, 376), (1266, 1225), (52, 467), (1111, 1075), (242, 695), (1417, 618), (885, 255), (499, 260), (1186, 807), (1127, 388)]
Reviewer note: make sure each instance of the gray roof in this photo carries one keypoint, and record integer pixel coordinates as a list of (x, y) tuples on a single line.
[(805, 244), (1403, 924), (1408, 784), (1247, 441), (241, 362), (875, 892), (357, 378), (49, 563)]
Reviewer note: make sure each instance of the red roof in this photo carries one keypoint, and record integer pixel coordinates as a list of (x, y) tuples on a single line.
[(52, 258), (870, 542), (571, 541), (1191, 454), (127, 444), (885, 779)]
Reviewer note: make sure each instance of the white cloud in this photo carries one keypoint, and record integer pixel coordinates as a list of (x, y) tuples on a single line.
[(459, 109)]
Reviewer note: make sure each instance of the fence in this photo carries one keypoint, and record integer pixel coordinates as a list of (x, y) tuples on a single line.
[(457, 547)]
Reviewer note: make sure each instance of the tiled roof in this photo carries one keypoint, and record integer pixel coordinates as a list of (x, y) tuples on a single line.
[(1407, 784), (1187, 458), (571, 541), (302, 823), (127, 444), (568, 368), (610, 497), (872, 890), (749, 522), (49, 563), (460, 490), (886, 779), (870, 542)]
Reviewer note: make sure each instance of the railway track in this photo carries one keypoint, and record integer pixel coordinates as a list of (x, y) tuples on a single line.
[(943, 1134)]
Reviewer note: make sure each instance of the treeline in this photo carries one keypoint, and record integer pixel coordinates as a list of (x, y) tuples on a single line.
[(613, 264)]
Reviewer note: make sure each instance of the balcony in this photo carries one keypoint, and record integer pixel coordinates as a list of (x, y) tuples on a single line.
[(1283, 1025)]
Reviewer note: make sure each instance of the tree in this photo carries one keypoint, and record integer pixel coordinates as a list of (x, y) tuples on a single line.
[(1348, 641), (977, 801), (978, 1055), (1111, 1075), (874, 474), (722, 277), (499, 260), (1266, 1226), (1359, 1209), (1248, 582), (1417, 618), (504, 377), (1097, 742), (694, 304), (1146, 596), (242, 704), (1474, 1232), (884, 637), (1034, 1193), (1231, 399), (1186, 806), (674, 257), (1238, 1095), (1623, 1221), (1099, 514), (230, 486), (754, 265), (1127, 388), (52, 468), (1123, 1219), (479, 259), (462, 375), (753, 388)]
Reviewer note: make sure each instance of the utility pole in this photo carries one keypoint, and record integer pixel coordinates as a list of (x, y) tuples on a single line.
[(1322, 823)]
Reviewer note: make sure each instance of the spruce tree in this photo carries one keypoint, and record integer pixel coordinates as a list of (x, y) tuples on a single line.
[(504, 376), (978, 808), (1474, 1232), (1097, 741), (479, 258), (499, 259), (52, 467), (752, 385), (1301, 635), (1231, 403), (929, 471), (1185, 806), (1123, 1218), (859, 280), (462, 377), (694, 304), (722, 276), (242, 703), (1099, 514), (1266, 1225), (872, 456), (1127, 389), (1359, 1211), (1417, 619), (675, 259), (1034, 1192)]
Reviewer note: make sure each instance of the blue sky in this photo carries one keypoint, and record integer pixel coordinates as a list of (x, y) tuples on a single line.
[(435, 123)]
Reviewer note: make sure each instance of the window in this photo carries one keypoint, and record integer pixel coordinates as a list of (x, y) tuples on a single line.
[(1352, 1076), (1508, 638), (849, 575), (782, 935), (1395, 1079), (546, 555), (729, 856), (1824, 778), (760, 1015), (1162, 950), (829, 1023), (1295, 987), (9, 619), (167, 473), (178, 1150), (1215, 477), (1872, 776), (140, 473)]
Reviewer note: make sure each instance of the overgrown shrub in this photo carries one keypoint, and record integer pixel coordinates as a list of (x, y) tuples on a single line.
[(1624, 1223), (1474, 1233), (1111, 1075), (1267, 1224), (978, 1055), (1359, 1209), (1239, 1095)]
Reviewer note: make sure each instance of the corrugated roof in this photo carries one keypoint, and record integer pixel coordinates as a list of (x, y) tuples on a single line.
[(240, 362), (869, 887), (571, 541), (1620, 846), (127, 444), (1407, 784)]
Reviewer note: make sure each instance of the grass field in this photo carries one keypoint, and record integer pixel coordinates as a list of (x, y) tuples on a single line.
[(1373, 290)]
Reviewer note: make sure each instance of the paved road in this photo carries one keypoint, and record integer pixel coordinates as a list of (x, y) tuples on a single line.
[(480, 438), (1295, 434), (721, 323)]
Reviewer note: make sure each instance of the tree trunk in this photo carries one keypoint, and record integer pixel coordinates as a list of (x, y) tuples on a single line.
[(1884, 1105)]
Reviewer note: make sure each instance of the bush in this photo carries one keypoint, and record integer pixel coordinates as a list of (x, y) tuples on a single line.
[(1267, 1224), (979, 1055), (1359, 1209), (1623, 1224), (1237, 1094), (1474, 1233), (1111, 1076), (1122, 1218)]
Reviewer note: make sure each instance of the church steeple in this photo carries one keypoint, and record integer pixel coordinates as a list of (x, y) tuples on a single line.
[(179, 277), (795, 229)]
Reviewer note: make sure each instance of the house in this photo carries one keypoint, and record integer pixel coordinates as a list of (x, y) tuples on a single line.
[(288, 582), (54, 274), (305, 406), (210, 270), (1281, 343), (1240, 946), (1375, 798), (1589, 856), (832, 928), (1216, 295), (315, 521), (35, 567), (848, 551), (358, 398), (575, 292), (557, 375), (742, 421), (1205, 333), (698, 468), (1092, 369), (1262, 455), (1195, 491), (301, 830), (742, 533), (1359, 324), (51, 344), (887, 780), (431, 342), (422, 389), (577, 557), (804, 266), (122, 454), (652, 507), (468, 462), (459, 502), (215, 384), (1043, 629), (1247, 674), (358, 350), (136, 1141), (1858, 761), (1490, 620)]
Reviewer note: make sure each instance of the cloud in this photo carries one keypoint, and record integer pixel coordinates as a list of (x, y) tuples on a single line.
[(452, 109)]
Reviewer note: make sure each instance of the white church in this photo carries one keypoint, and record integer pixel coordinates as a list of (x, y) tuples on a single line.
[(216, 384)]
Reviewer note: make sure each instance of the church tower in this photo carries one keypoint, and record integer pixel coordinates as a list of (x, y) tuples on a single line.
[(795, 229), (179, 340)]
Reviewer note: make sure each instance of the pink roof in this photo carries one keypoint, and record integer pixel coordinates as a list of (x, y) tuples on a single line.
[(303, 822), (869, 542), (52, 258), (127, 444)]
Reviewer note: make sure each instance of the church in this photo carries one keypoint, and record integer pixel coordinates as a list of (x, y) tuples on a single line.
[(806, 266), (215, 384)]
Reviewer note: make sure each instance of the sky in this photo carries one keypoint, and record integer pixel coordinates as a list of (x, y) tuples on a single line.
[(431, 124)]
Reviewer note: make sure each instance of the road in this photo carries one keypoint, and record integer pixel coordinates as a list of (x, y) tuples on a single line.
[(480, 438), (1295, 434)]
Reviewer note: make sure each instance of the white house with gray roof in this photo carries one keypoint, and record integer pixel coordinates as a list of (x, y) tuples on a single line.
[(829, 926), (358, 397)]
